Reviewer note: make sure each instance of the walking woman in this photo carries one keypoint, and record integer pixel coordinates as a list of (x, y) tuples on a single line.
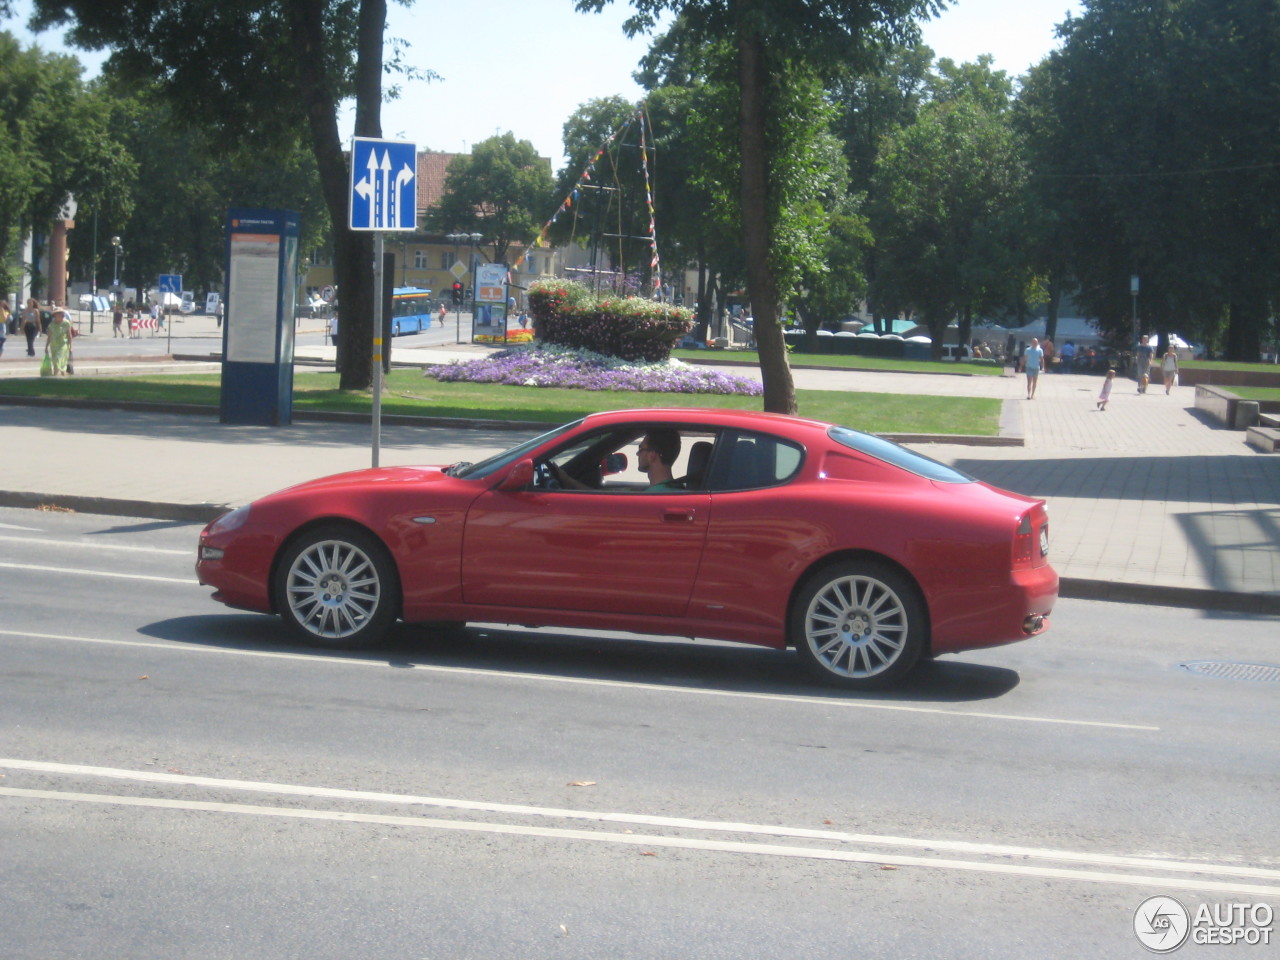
[(31, 324), (57, 346), (1169, 368)]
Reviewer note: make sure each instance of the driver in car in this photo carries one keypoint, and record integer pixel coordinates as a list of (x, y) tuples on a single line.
[(655, 456)]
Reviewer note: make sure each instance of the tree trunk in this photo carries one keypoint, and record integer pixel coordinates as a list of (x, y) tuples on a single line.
[(353, 252), (775, 370), (1055, 304)]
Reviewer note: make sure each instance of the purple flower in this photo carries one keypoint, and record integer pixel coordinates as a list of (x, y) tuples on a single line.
[(548, 366)]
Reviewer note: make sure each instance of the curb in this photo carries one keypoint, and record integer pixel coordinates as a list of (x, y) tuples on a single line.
[(109, 507), (1075, 588)]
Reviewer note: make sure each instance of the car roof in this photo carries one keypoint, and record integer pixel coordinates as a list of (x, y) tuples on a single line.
[(689, 416)]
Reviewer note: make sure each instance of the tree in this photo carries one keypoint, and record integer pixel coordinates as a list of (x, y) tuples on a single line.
[(498, 191), (772, 40), (54, 141), (1165, 105), (174, 217), (949, 189), (259, 71)]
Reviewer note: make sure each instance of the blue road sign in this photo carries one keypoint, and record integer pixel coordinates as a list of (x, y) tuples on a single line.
[(384, 189), (170, 283)]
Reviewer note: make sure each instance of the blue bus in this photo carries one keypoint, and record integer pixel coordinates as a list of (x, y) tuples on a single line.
[(410, 310)]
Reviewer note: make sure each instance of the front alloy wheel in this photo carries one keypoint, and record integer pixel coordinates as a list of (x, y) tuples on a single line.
[(337, 587), (858, 624)]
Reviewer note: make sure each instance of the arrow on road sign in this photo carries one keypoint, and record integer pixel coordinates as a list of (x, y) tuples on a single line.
[(382, 190)]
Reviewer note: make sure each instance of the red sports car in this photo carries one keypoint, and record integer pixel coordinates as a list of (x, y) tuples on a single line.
[(732, 525)]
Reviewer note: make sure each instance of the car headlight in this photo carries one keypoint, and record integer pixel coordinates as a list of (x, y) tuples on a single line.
[(230, 521)]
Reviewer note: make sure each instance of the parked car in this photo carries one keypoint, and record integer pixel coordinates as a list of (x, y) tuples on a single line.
[(864, 555)]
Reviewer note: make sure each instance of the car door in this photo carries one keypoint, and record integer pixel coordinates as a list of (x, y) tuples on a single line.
[(626, 553)]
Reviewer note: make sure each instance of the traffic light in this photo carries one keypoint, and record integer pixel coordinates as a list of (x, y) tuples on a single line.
[(457, 292)]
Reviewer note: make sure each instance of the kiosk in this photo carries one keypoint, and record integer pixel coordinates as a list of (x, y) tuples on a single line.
[(258, 332)]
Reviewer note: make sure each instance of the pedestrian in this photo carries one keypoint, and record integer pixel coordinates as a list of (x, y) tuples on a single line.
[(57, 345), (1032, 361), (117, 319), (4, 324), (31, 324), (444, 312), (1169, 369), (217, 313), (1068, 357), (1144, 355), (1050, 355), (1105, 393)]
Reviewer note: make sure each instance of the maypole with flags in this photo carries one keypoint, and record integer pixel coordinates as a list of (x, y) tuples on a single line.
[(574, 196)]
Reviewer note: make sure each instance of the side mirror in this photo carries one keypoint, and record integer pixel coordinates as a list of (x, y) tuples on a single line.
[(613, 463), (518, 477)]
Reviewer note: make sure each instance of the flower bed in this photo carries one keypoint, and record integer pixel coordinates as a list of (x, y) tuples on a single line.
[(565, 313), (546, 365)]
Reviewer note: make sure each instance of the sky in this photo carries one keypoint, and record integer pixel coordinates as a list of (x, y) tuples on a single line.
[(525, 66)]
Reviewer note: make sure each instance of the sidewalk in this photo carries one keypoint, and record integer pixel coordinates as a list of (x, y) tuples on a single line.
[(1148, 502)]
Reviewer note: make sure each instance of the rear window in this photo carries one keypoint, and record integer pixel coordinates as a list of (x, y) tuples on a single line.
[(891, 453)]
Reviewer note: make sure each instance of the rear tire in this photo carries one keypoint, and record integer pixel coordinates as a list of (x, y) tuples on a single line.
[(336, 586), (858, 624)]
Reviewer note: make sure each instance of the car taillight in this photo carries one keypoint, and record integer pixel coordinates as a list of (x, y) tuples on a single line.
[(1024, 542)]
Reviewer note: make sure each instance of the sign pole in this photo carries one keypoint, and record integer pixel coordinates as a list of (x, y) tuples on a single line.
[(382, 198), (379, 239)]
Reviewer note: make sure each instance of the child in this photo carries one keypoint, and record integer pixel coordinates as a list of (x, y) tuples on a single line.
[(1105, 395)]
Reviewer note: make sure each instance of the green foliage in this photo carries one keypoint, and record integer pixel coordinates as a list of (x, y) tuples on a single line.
[(1169, 110), (948, 191), (500, 191), (565, 313), (54, 140)]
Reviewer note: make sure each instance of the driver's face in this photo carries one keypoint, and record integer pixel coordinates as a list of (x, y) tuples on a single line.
[(646, 458)]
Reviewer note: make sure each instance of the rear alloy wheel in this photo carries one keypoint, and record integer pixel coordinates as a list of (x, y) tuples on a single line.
[(858, 624), (336, 586)]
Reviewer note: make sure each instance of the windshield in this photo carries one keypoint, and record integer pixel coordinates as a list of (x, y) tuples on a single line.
[(890, 452), (475, 471)]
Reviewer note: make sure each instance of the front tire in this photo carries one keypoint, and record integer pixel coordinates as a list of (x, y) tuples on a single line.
[(858, 624), (336, 586)]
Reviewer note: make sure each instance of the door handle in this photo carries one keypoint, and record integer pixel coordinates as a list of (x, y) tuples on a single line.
[(677, 516)]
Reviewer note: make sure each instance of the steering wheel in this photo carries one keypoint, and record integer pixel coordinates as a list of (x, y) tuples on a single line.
[(544, 477)]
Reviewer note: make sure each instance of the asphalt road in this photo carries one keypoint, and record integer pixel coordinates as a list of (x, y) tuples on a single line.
[(176, 780)]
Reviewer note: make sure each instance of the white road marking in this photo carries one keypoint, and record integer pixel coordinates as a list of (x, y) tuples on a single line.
[(14, 526), (829, 703), (653, 840), (95, 545), (75, 571), (677, 823)]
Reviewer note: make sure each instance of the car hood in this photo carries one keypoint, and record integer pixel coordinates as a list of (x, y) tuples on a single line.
[(372, 478)]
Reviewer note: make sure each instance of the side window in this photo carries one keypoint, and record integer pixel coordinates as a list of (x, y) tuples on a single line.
[(632, 462), (749, 461)]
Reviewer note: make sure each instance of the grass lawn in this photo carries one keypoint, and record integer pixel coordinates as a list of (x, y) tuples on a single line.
[(1228, 365), (409, 393), (1256, 393), (845, 360)]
